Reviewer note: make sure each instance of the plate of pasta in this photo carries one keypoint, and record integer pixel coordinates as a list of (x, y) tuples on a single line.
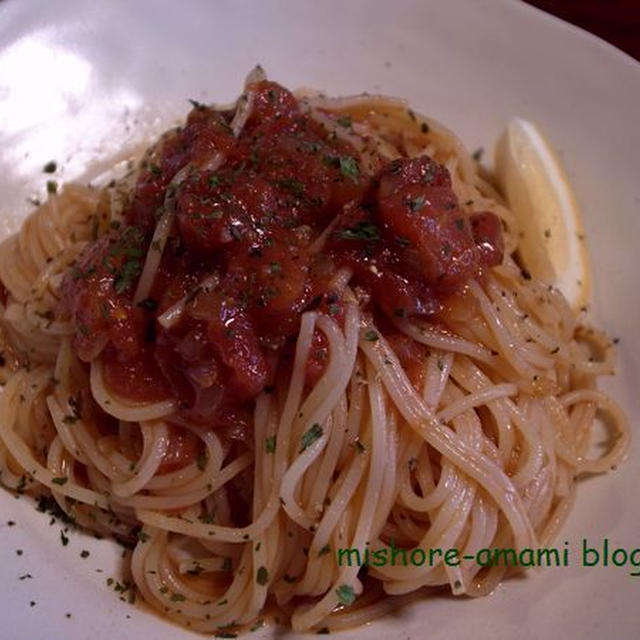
[(316, 318)]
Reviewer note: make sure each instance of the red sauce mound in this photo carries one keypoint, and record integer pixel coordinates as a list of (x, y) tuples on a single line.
[(252, 221)]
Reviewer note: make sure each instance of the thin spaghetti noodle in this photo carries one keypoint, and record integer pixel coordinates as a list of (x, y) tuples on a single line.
[(476, 443)]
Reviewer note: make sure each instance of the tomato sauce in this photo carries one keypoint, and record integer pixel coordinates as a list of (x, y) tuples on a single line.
[(252, 221)]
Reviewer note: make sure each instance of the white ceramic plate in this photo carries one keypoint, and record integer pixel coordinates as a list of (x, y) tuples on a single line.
[(79, 80)]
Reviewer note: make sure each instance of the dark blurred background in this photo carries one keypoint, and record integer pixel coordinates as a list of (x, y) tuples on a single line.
[(616, 21)]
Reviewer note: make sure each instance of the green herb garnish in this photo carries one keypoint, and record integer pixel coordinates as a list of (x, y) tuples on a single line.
[(361, 231), (143, 537), (129, 271), (310, 436), (415, 204), (275, 268), (293, 185), (270, 444), (262, 576), (358, 446), (346, 596), (349, 168)]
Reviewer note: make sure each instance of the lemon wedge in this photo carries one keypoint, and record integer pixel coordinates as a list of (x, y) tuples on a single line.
[(552, 244)]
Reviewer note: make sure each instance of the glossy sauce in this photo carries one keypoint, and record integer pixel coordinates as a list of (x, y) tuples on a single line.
[(252, 222)]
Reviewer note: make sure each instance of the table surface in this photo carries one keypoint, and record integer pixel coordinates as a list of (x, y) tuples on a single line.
[(616, 21)]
